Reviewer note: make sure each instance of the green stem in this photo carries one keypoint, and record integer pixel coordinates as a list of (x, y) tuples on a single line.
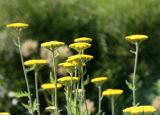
[(24, 72), (83, 98), (37, 94), (75, 89), (55, 81), (134, 74), (112, 105), (99, 100), (68, 101)]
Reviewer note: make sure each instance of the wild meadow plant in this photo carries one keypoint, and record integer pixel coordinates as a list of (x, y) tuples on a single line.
[(136, 109), (73, 83)]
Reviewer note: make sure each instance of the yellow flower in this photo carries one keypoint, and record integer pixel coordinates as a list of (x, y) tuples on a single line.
[(99, 80), (139, 110), (76, 63), (52, 44), (67, 80), (4, 113), (35, 62), (17, 25), (83, 58), (136, 37), (83, 39), (50, 86), (66, 65), (112, 92), (79, 47)]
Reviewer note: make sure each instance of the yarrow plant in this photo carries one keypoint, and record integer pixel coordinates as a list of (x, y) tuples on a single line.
[(19, 27), (135, 40), (74, 82)]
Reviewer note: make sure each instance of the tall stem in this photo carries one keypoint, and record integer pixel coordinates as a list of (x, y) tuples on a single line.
[(68, 101), (76, 89), (112, 105), (99, 100), (37, 94), (55, 81), (134, 74), (83, 98), (24, 72)]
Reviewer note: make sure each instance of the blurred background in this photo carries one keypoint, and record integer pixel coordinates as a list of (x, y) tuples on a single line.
[(107, 22)]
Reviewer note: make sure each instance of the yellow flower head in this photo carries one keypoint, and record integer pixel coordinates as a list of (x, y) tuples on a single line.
[(83, 39), (80, 58), (48, 86), (80, 46), (52, 44), (67, 65), (17, 25), (112, 92), (4, 113), (35, 62), (99, 80), (67, 80), (139, 110), (136, 38)]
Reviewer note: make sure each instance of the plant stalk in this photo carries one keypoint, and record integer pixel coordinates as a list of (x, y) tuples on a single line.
[(37, 94), (24, 72), (55, 81), (134, 74), (112, 105), (99, 99)]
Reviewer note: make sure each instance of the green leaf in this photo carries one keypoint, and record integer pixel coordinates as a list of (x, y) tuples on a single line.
[(21, 94), (35, 106), (129, 85), (51, 77), (26, 106), (86, 81)]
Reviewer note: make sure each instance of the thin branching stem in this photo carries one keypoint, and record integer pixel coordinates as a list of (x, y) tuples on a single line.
[(134, 74), (37, 93), (55, 80), (25, 73)]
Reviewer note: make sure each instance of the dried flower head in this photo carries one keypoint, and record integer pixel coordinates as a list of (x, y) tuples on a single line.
[(80, 46), (64, 52), (17, 25), (156, 102), (112, 92), (29, 47), (83, 39), (136, 38), (48, 86), (35, 62), (90, 106)]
